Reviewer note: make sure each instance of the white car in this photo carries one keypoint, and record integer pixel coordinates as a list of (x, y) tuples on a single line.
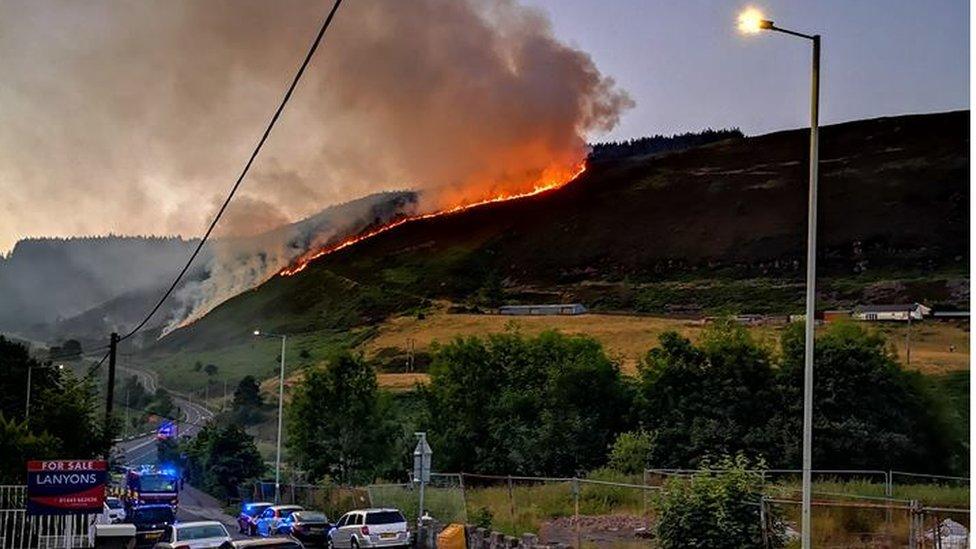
[(112, 511), (370, 528), (204, 534)]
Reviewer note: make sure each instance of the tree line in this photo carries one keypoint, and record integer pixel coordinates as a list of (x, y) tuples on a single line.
[(657, 144), (65, 417), (556, 404)]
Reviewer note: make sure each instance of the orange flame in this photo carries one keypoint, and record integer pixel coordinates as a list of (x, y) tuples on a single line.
[(546, 184)]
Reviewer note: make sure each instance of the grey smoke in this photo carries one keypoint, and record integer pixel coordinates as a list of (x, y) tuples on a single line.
[(134, 117)]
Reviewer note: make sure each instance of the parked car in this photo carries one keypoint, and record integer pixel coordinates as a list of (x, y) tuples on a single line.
[(247, 520), (204, 534), (270, 518), (370, 528), (264, 543), (112, 511), (309, 527), (150, 522)]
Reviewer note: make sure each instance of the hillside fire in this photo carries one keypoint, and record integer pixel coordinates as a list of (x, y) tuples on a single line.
[(550, 182)]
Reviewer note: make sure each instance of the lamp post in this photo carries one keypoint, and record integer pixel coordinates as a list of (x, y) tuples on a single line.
[(752, 21), (281, 393)]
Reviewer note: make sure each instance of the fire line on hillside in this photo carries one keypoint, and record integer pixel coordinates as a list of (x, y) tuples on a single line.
[(544, 186)]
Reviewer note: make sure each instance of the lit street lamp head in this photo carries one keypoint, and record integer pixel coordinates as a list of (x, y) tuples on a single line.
[(751, 21), (257, 332)]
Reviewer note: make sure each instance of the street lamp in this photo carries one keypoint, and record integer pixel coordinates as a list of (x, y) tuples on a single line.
[(281, 394), (751, 21)]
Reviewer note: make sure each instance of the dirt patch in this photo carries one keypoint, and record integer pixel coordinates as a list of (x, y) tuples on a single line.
[(598, 531)]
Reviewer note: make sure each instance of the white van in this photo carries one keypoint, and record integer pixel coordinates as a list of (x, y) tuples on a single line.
[(370, 528)]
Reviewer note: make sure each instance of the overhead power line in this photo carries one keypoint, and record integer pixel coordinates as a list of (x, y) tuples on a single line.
[(247, 167)]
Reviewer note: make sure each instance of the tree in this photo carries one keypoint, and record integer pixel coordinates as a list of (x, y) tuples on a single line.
[(71, 411), (247, 403), (15, 360), (135, 395), (70, 350), (336, 421), (715, 510), (210, 370), (221, 458), (869, 413), (162, 404), (514, 405), (709, 399), (64, 417), (18, 445)]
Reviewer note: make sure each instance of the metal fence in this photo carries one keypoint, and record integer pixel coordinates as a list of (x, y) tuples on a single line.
[(331, 499), (18, 531)]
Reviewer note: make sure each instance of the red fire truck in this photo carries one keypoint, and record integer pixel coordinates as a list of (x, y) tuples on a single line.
[(150, 485)]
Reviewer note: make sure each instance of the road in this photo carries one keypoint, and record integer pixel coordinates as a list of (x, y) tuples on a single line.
[(194, 504)]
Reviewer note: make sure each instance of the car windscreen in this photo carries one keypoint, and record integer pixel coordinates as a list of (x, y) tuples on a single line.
[(310, 517), (152, 515), (384, 517), (157, 483), (200, 532), (113, 503)]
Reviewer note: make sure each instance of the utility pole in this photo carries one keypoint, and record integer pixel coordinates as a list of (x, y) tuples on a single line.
[(908, 340), (125, 422), (110, 390)]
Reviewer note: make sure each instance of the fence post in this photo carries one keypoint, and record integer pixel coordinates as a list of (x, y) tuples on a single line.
[(644, 493), (511, 502), (464, 497), (762, 521), (576, 517)]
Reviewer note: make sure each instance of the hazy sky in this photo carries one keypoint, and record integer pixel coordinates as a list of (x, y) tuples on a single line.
[(135, 117), (686, 65)]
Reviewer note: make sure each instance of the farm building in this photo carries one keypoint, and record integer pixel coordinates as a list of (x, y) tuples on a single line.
[(552, 309), (902, 312)]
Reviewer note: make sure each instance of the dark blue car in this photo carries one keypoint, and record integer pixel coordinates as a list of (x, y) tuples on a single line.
[(309, 527)]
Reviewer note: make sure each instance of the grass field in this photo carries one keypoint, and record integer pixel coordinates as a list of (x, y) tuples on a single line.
[(525, 506), (628, 338)]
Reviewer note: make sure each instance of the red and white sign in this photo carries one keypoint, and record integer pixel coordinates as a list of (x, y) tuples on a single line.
[(64, 487)]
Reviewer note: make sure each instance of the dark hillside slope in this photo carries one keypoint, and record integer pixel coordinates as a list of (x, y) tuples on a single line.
[(894, 203)]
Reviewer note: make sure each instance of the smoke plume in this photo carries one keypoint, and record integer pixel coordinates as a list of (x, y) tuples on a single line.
[(135, 117)]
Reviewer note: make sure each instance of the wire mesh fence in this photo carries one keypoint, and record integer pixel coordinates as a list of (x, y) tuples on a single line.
[(443, 498), (331, 499)]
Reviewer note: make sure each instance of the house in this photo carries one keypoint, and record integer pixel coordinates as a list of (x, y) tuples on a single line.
[(902, 312), (549, 309)]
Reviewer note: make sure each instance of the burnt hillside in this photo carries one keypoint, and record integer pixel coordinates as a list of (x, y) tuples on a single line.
[(894, 201)]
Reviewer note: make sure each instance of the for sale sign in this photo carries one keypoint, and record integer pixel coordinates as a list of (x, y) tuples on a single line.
[(66, 487)]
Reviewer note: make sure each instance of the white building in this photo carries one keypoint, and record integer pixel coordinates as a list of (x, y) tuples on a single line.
[(899, 313), (549, 309)]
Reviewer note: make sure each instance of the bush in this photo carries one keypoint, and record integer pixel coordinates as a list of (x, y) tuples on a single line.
[(715, 510), (631, 452)]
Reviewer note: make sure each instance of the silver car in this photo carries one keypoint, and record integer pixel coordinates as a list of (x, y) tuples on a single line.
[(370, 528), (193, 535)]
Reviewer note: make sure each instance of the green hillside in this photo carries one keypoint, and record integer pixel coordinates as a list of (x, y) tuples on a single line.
[(716, 228)]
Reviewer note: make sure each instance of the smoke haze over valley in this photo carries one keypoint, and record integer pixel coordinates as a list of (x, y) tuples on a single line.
[(143, 112)]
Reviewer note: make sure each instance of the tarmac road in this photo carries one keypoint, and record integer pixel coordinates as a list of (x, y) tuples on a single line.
[(194, 504)]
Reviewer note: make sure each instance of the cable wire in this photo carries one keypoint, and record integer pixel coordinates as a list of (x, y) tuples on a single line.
[(247, 167)]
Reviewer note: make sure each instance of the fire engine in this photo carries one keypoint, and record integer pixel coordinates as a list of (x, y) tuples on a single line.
[(148, 485)]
